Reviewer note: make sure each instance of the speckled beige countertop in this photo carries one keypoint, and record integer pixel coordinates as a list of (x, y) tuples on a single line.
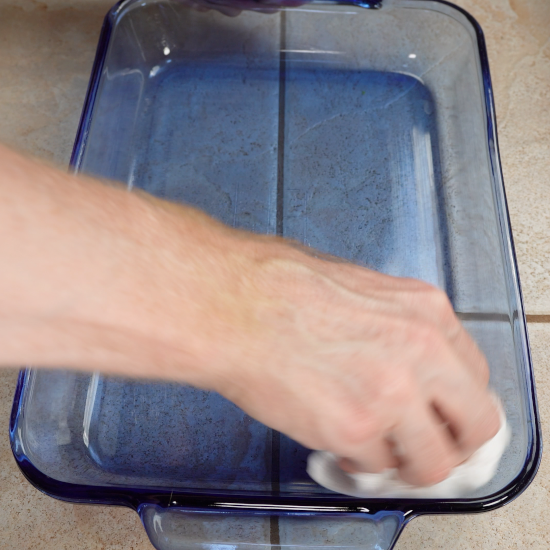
[(46, 53)]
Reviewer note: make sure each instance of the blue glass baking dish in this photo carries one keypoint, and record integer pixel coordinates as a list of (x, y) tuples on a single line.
[(366, 131)]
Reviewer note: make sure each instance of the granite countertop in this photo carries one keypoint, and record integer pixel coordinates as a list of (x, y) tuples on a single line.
[(46, 52)]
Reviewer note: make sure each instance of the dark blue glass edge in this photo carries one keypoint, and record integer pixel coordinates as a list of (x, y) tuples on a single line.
[(252, 503), (93, 85)]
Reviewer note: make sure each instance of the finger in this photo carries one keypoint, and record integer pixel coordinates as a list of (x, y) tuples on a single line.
[(470, 426), (372, 458), (425, 449), (468, 351)]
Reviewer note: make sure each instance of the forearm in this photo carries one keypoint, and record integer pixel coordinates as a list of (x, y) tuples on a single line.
[(95, 277)]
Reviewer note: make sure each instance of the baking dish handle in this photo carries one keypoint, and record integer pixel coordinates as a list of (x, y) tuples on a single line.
[(176, 528)]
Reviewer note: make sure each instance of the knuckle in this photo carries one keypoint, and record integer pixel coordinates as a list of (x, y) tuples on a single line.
[(399, 385), (483, 371), (438, 301)]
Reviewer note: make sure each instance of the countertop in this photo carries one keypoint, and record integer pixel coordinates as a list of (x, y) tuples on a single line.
[(46, 53)]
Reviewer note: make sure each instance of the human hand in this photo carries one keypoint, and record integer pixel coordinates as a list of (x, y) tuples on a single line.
[(372, 368)]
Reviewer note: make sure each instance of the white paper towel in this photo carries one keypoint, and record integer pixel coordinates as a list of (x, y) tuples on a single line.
[(470, 475)]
